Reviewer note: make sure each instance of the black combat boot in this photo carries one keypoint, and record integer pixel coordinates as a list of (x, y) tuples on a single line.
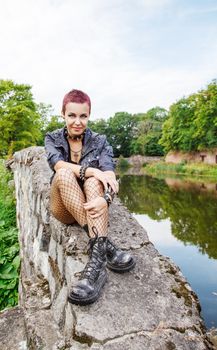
[(118, 260), (94, 275)]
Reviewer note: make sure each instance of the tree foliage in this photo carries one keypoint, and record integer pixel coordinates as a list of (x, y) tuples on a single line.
[(192, 122), (190, 125), (9, 246), (50, 124), (119, 129), (133, 134), (19, 118), (120, 133), (99, 125), (149, 132)]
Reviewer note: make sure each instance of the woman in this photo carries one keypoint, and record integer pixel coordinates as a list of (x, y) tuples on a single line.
[(82, 188)]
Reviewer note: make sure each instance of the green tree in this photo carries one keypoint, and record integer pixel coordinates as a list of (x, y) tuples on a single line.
[(192, 122), (149, 132), (120, 132), (19, 118), (99, 125), (55, 122), (205, 117)]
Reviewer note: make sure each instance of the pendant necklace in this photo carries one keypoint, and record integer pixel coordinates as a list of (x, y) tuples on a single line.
[(75, 154)]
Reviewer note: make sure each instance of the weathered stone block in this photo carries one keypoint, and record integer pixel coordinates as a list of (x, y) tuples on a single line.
[(152, 307)]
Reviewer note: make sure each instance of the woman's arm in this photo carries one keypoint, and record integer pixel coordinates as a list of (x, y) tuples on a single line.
[(106, 177), (75, 168)]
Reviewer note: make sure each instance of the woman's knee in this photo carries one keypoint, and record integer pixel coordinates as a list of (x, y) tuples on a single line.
[(54, 211), (62, 217), (93, 182), (64, 175)]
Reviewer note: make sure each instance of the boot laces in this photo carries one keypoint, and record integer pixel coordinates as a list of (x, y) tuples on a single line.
[(92, 268)]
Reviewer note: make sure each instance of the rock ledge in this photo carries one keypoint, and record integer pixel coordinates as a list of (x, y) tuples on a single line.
[(152, 307)]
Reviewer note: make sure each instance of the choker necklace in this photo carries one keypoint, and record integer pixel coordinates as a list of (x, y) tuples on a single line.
[(74, 137)]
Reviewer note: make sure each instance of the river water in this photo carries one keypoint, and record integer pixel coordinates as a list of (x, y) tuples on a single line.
[(180, 218)]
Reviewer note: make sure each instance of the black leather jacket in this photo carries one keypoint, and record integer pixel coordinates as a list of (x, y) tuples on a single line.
[(96, 152)]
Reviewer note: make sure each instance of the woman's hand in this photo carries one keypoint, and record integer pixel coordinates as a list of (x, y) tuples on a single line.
[(106, 180), (96, 207)]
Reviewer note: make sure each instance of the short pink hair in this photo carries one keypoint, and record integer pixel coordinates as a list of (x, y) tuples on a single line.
[(76, 96)]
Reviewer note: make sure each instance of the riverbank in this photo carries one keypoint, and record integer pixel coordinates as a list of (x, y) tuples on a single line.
[(136, 165), (188, 169)]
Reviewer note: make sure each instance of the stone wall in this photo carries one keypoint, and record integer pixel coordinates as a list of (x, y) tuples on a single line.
[(152, 307), (207, 157), (138, 160)]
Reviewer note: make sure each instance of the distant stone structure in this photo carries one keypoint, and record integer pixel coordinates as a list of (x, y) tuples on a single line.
[(138, 160), (150, 308), (207, 157)]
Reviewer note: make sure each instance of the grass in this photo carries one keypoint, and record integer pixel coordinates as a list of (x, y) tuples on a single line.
[(9, 246), (188, 169)]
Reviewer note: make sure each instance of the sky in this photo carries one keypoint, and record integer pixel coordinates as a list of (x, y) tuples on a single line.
[(127, 55)]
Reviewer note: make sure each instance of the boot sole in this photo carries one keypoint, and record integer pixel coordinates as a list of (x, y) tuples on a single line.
[(122, 269), (86, 301)]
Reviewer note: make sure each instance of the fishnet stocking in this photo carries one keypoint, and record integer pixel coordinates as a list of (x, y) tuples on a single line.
[(67, 199), (94, 188)]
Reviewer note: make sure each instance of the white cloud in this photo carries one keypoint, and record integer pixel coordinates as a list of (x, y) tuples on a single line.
[(58, 45), (192, 11)]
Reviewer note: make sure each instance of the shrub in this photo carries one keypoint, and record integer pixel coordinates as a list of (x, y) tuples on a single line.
[(123, 163), (9, 246)]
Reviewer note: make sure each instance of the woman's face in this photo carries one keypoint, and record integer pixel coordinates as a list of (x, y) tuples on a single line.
[(76, 117)]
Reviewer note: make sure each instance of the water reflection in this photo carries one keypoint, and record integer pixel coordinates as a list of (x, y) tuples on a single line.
[(191, 210), (180, 218)]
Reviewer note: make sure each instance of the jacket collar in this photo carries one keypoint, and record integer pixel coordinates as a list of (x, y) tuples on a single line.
[(60, 138), (88, 145), (87, 135)]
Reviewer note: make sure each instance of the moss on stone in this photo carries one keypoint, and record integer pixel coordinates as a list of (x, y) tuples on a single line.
[(182, 291)]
